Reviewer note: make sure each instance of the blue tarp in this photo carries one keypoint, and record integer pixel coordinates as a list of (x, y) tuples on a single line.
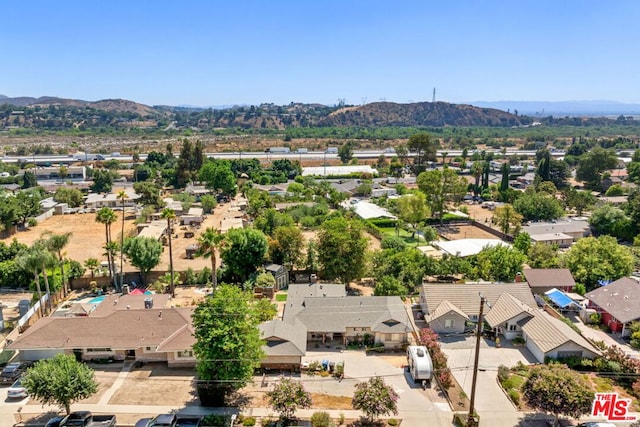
[(560, 299)]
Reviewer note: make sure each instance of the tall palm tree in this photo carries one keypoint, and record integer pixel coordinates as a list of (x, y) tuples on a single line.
[(107, 217), (92, 264), (210, 241), (122, 196), (28, 261), (110, 250), (56, 243), (170, 215)]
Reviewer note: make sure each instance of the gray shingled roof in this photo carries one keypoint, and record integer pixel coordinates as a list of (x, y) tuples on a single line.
[(443, 309), (549, 333), (573, 226), (283, 339), (621, 299), (297, 293), (466, 296), (331, 314), (549, 277), (506, 308)]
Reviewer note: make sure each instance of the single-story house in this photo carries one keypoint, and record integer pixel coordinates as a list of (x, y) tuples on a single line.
[(195, 216), (72, 173), (577, 229), (228, 223), (447, 307), (368, 210), (197, 191), (154, 229), (285, 344), (466, 247), (329, 314), (562, 240), (111, 200), (541, 280), (618, 304), (273, 190)]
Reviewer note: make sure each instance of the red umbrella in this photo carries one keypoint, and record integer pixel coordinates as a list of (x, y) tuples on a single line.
[(137, 292)]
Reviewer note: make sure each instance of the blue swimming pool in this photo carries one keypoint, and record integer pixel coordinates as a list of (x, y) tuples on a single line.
[(97, 300)]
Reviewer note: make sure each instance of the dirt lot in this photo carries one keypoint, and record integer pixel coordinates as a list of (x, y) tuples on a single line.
[(465, 232), (88, 236), (157, 384)]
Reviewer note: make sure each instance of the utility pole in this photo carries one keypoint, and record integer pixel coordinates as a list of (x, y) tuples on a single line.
[(471, 419)]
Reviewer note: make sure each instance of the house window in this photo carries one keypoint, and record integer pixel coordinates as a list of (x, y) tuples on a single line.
[(388, 337), (150, 349), (449, 323), (512, 327), (99, 350), (185, 354)]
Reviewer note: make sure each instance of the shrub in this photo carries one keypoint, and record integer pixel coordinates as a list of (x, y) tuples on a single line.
[(503, 373), (214, 420), (392, 422), (321, 419), (514, 395), (594, 318), (249, 422), (341, 419), (32, 222)]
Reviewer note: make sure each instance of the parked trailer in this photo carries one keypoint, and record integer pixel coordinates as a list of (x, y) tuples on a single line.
[(419, 364), (279, 150)]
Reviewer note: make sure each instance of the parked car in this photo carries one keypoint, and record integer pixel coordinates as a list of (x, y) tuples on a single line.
[(170, 420), (17, 391), (87, 419), (54, 422), (13, 371)]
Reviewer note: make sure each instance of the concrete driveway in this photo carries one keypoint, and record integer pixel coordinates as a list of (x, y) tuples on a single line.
[(417, 407), (491, 402)]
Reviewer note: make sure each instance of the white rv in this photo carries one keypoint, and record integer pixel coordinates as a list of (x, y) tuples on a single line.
[(420, 365)]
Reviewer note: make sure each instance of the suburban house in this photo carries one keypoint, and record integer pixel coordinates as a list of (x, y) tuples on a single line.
[(286, 343), (618, 304), (197, 191), (448, 307), (154, 229), (330, 315), (562, 240), (69, 173), (558, 230), (111, 200), (541, 280), (195, 216), (120, 327)]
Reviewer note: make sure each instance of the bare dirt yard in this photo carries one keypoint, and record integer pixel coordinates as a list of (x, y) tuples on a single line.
[(456, 232), (157, 384)]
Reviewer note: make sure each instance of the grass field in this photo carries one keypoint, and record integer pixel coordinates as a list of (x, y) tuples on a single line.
[(404, 235), (281, 297)]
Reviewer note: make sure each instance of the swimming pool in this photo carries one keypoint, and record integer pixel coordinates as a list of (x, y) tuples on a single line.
[(97, 300)]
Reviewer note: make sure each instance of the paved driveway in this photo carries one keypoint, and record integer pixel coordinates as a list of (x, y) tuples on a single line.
[(491, 402), (416, 407)]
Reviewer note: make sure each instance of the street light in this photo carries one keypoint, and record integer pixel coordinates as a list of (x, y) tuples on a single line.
[(471, 419)]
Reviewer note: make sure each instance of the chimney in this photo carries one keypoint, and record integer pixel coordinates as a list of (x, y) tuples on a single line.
[(518, 277)]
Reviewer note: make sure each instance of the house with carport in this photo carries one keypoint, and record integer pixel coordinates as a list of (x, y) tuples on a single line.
[(541, 280), (618, 304)]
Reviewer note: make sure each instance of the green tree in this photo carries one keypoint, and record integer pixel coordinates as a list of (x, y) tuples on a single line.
[(375, 398), (60, 381), (27, 204), (107, 217), (342, 249), (149, 194), (144, 253), (286, 246), (217, 176), (504, 183), (607, 219), (102, 181), (424, 148), (543, 255), (287, 396), (507, 219), (71, 196), (345, 152), (498, 263), (56, 243), (92, 264), (591, 259), (270, 219), (122, 196), (592, 164), (265, 310), (170, 215), (558, 390), (390, 286), (29, 180), (208, 203), (441, 186), (522, 242), (538, 207), (408, 266), (244, 252), (413, 209), (209, 243), (28, 260), (228, 347), (578, 200)]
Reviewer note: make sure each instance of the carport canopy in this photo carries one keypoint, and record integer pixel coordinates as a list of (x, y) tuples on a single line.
[(560, 299)]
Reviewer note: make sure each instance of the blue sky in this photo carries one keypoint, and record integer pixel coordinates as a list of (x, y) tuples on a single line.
[(252, 51)]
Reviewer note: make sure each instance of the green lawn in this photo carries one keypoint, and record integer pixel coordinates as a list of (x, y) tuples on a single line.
[(281, 297), (404, 235)]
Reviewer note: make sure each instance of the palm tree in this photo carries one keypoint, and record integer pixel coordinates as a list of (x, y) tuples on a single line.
[(92, 264), (122, 196), (28, 261), (170, 215), (56, 243), (210, 241), (110, 250), (107, 217)]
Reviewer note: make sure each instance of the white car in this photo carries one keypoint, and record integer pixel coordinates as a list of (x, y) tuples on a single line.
[(16, 391)]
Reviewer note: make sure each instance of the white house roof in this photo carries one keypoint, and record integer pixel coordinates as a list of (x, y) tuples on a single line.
[(368, 210), (337, 170), (111, 197), (467, 247)]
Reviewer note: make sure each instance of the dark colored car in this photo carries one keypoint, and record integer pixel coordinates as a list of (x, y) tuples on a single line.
[(54, 422), (13, 371)]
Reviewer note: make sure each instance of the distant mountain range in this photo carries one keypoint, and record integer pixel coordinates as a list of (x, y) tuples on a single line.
[(563, 108)]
